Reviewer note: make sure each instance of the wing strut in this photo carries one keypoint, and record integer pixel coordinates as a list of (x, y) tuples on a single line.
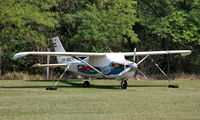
[(54, 86), (159, 68), (91, 67), (142, 59), (63, 74), (170, 86)]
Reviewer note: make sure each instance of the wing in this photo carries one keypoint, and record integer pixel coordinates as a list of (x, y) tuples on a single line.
[(80, 54), (87, 54), (182, 52)]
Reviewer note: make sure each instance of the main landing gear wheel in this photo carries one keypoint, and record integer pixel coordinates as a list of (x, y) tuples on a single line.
[(86, 84), (124, 84)]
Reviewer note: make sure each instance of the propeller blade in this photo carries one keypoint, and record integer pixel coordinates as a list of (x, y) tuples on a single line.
[(138, 72), (134, 55)]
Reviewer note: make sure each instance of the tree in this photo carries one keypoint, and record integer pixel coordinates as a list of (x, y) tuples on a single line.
[(175, 24), (103, 23), (24, 26)]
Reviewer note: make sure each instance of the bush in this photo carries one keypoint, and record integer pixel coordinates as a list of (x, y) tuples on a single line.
[(184, 76), (20, 76)]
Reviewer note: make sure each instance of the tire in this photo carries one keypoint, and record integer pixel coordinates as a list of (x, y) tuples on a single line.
[(124, 84), (86, 84)]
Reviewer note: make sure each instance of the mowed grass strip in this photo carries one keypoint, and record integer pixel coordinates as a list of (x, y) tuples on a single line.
[(144, 99)]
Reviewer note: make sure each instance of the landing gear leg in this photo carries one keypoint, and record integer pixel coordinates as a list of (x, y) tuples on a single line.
[(124, 84), (86, 84)]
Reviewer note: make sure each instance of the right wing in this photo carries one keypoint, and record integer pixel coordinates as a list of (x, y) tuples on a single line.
[(79, 54)]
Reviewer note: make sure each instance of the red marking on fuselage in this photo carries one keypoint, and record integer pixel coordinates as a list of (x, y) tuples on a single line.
[(85, 68)]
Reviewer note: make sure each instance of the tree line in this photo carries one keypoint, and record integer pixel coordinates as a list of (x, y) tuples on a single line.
[(101, 25)]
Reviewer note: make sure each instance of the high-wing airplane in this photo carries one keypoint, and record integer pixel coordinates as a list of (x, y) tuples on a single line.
[(98, 65)]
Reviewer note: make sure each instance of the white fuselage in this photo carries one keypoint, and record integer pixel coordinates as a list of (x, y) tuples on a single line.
[(113, 66)]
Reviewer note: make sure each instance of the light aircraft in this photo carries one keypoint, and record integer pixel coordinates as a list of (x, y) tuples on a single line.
[(98, 65)]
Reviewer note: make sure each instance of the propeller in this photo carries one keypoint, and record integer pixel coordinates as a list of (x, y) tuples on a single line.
[(138, 72), (134, 66)]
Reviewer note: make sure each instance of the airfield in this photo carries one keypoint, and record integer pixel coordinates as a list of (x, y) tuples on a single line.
[(104, 100)]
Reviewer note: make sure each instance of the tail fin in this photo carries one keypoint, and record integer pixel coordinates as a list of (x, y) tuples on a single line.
[(59, 48), (57, 45)]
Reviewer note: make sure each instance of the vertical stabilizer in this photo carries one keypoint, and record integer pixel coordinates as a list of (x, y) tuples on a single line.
[(57, 45), (59, 48)]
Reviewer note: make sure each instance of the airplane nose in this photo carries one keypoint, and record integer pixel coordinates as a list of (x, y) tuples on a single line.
[(133, 65)]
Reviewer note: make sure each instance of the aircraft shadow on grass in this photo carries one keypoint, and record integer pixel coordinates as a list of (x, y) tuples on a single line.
[(75, 84)]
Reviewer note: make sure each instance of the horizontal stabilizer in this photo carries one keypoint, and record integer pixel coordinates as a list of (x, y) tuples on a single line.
[(49, 65)]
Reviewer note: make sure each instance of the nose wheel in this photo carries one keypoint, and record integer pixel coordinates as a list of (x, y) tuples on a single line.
[(86, 84), (124, 84)]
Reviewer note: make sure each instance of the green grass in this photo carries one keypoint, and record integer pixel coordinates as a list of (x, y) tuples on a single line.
[(144, 100)]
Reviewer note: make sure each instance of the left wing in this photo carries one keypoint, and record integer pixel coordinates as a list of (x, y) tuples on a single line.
[(182, 52)]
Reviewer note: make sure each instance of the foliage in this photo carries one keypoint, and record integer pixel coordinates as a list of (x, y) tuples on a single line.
[(104, 23), (82, 25), (24, 21), (171, 25), (24, 26)]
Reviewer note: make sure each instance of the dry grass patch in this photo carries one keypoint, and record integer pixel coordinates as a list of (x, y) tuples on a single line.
[(20, 76)]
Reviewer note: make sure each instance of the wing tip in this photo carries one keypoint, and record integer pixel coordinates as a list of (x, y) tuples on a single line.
[(18, 55), (187, 52)]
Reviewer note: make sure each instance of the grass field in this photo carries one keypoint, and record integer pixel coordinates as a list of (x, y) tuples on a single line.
[(143, 100)]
